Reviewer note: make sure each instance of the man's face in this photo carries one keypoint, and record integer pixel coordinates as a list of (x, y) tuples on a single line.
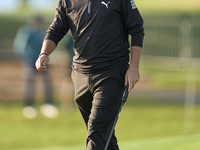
[(38, 23)]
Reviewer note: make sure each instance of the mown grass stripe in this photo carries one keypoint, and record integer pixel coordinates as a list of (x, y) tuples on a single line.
[(187, 142)]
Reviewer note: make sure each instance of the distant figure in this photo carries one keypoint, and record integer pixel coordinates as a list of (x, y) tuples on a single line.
[(67, 88), (27, 46)]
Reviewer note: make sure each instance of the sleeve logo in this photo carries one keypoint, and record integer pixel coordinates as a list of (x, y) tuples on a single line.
[(133, 4)]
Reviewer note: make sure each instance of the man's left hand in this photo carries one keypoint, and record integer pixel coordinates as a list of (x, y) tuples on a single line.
[(132, 77)]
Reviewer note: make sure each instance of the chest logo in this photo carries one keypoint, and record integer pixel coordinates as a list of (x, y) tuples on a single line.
[(103, 3)]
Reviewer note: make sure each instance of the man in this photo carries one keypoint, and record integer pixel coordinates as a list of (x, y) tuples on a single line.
[(27, 46), (100, 66)]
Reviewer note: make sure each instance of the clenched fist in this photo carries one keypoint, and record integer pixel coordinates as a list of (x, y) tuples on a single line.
[(41, 62)]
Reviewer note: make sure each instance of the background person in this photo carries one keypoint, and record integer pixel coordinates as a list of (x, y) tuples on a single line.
[(27, 45), (67, 88)]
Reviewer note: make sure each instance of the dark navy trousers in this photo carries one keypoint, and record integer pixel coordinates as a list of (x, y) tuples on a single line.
[(98, 97)]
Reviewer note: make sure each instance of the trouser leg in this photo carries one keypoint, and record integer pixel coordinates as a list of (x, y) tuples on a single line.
[(29, 86), (100, 122), (48, 88), (98, 97), (113, 143), (82, 95)]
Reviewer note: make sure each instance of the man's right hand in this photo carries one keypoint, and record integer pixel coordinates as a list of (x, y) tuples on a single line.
[(41, 62)]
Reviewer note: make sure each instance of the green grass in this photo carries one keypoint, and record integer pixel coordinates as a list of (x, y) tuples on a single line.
[(163, 7), (169, 77), (190, 142), (143, 123), (40, 132)]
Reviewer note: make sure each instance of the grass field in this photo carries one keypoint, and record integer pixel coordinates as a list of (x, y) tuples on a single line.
[(163, 7), (190, 142), (143, 124)]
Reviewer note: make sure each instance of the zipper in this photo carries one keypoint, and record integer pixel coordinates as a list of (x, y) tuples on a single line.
[(89, 7)]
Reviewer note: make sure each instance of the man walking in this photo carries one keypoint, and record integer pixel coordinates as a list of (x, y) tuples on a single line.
[(100, 68)]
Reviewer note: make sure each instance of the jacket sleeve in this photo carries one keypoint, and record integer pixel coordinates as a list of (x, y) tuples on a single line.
[(59, 27), (133, 22)]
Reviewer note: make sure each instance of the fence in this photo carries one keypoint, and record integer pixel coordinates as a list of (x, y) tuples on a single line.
[(169, 39), (174, 40)]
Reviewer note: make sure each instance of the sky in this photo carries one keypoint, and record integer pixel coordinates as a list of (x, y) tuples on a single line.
[(11, 6), (8, 6)]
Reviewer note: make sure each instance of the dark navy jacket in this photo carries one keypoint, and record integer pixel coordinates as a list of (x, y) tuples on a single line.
[(100, 29)]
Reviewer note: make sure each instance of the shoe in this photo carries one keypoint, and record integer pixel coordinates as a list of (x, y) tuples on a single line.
[(49, 111), (29, 112)]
